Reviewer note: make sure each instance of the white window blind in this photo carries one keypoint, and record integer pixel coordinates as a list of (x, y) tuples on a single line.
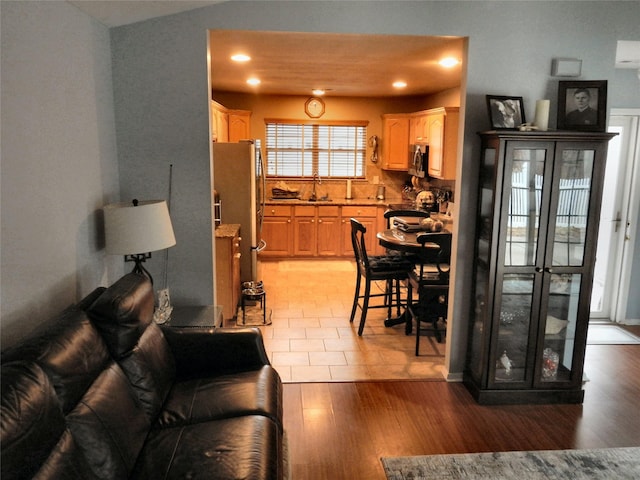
[(295, 149)]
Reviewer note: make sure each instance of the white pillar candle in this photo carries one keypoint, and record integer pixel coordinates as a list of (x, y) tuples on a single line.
[(348, 189), (541, 119)]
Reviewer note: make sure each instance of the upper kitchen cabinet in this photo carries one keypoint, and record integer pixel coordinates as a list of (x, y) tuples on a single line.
[(219, 123), (395, 142), (229, 125), (438, 127), (441, 126), (239, 125)]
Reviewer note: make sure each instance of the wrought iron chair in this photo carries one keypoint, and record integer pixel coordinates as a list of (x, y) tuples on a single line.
[(430, 279), (387, 268)]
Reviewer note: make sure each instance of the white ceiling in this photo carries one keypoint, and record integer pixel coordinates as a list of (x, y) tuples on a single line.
[(114, 13), (294, 63), (290, 63)]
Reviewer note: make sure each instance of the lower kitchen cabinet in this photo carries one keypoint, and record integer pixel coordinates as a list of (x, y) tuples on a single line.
[(277, 231), (367, 216), (304, 231), (228, 268), (328, 228), (307, 231)]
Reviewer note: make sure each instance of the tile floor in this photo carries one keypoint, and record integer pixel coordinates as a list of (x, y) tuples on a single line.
[(310, 338)]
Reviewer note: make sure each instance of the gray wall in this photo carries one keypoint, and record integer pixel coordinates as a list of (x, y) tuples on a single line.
[(59, 141), (59, 163), (160, 81)]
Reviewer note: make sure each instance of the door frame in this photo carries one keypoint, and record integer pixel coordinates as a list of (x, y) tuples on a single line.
[(630, 173)]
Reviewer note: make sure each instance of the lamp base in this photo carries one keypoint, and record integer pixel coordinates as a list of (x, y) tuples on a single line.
[(139, 258)]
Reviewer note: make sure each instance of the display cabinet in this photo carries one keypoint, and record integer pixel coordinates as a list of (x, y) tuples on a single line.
[(537, 225)]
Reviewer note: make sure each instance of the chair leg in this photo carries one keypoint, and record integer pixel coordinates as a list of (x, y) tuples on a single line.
[(355, 299), (408, 326), (365, 306), (398, 297)]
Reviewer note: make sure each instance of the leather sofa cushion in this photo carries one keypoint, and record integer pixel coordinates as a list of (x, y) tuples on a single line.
[(233, 448), (122, 313), (32, 421), (65, 462), (109, 425), (254, 392), (151, 370), (71, 352)]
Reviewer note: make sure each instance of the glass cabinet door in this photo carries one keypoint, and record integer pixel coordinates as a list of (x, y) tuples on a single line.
[(522, 219), (523, 206), (565, 263)]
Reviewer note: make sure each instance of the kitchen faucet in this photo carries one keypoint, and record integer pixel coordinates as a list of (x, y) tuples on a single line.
[(316, 180)]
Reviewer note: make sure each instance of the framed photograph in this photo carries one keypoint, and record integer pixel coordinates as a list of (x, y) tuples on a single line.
[(582, 105), (505, 113)]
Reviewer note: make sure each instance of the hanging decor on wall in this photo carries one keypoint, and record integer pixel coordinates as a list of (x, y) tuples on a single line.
[(582, 105)]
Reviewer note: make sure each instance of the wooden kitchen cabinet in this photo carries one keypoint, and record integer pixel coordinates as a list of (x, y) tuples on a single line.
[(328, 231), (395, 142), (219, 123), (228, 268), (277, 231), (537, 227), (418, 128), (239, 125), (442, 133), (367, 216), (229, 125), (304, 230)]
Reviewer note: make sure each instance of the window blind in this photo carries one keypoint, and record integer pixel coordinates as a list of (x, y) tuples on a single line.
[(299, 149)]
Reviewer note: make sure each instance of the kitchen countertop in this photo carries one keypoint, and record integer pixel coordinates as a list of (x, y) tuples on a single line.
[(227, 230), (362, 202), (335, 201)]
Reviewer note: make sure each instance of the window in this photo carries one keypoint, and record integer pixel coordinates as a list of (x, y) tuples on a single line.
[(298, 149)]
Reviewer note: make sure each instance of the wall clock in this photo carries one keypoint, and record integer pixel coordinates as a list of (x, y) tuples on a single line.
[(314, 107)]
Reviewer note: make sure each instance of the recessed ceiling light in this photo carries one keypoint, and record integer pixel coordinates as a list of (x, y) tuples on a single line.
[(399, 84), (240, 57), (318, 91), (253, 81), (449, 62)]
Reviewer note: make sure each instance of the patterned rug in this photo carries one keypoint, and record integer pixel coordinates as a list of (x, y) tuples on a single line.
[(604, 464)]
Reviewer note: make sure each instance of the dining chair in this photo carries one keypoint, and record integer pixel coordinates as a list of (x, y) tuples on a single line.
[(430, 280), (387, 268), (389, 215)]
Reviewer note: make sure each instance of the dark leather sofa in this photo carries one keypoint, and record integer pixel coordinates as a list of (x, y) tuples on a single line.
[(105, 393)]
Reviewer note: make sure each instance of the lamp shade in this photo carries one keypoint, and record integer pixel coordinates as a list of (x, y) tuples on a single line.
[(138, 229)]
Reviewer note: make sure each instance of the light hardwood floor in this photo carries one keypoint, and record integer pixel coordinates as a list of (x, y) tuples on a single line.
[(339, 429)]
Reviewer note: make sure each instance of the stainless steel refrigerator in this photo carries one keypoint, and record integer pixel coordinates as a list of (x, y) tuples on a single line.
[(238, 177)]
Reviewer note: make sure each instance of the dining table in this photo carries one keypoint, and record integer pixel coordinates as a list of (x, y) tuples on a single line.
[(407, 243)]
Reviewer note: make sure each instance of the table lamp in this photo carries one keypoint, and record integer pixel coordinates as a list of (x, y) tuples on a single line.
[(136, 229)]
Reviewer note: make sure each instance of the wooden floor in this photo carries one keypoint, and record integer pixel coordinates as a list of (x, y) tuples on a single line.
[(340, 430)]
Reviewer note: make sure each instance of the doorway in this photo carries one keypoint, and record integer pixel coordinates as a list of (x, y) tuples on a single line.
[(620, 210)]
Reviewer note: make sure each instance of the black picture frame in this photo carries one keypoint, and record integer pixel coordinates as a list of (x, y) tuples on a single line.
[(505, 113), (575, 117)]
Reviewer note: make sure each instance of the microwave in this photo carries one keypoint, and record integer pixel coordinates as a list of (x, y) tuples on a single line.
[(418, 159)]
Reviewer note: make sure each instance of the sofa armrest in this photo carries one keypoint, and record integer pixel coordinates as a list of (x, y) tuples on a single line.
[(200, 351)]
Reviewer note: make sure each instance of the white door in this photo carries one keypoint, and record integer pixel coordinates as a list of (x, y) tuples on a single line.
[(618, 218)]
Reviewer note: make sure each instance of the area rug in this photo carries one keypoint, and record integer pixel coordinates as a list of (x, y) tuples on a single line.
[(610, 335), (605, 464)]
